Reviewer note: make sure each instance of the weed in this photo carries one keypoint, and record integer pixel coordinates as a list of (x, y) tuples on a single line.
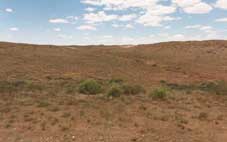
[(90, 87), (18, 85), (132, 89), (7, 125), (64, 128), (116, 81), (54, 121), (6, 86), (54, 109), (66, 115), (159, 93), (115, 91), (43, 104), (70, 88), (43, 126), (219, 87), (203, 116), (162, 81)]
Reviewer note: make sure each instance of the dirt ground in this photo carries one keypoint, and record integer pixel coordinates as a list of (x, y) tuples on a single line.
[(196, 117), (56, 116)]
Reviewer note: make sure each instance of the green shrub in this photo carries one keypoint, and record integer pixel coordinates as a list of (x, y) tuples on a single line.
[(159, 93), (115, 91), (90, 87), (132, 89), (163, 82)]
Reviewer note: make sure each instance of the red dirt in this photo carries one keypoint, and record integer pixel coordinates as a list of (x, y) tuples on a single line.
[(34, 116)]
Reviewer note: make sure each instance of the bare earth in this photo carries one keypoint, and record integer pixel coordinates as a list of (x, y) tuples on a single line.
[(49, 114)]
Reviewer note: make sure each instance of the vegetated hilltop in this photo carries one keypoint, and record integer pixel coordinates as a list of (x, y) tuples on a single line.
[(191, 61)]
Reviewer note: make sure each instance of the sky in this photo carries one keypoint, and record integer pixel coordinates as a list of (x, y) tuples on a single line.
[(86, 22)]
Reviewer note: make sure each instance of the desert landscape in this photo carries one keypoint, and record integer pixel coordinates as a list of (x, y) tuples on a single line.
[(164, 92)]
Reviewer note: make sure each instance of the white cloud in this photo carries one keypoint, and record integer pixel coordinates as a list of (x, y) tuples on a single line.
[(193, 27), (72, 17), (160, 9), (151, 12), (167, 27), (10, 10), (59, 21), (186, 3), (127, 17), (153, 20), (107, 36), (64, 36), (14, 29), (100, 16), (204, 28), (87, 27), (92, 2), (221, 20), (116, 25), (200, 8), (178, 37), (221, 4), (57, 29), (193, 6), (129, 26), (121, 4), (90, 9)]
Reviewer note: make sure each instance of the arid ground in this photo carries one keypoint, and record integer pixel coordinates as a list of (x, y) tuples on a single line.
[(40, 101)]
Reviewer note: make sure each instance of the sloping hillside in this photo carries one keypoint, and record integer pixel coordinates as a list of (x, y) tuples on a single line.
[(147, 64), (167, 92)]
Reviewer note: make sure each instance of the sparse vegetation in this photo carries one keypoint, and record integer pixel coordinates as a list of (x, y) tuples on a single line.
[(115, 91), (159, 93), (217, 87), (116, 81), (90, 87), (66, 115), (43, 103), (203, 116), (19, 85), (70, 88), (54, 108), (133, 89)]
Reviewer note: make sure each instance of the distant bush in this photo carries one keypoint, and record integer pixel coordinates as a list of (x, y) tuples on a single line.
[(16, 86), (133, 89), (219, 87), (216, 87), (115, 91), (90, 86), (163, 82), (159, 93)]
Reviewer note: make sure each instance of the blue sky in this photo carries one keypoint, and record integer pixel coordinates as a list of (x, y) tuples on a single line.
[(85, 22)]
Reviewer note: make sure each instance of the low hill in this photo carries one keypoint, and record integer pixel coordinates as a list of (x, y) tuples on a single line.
[(166, 92), (191, 61)]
